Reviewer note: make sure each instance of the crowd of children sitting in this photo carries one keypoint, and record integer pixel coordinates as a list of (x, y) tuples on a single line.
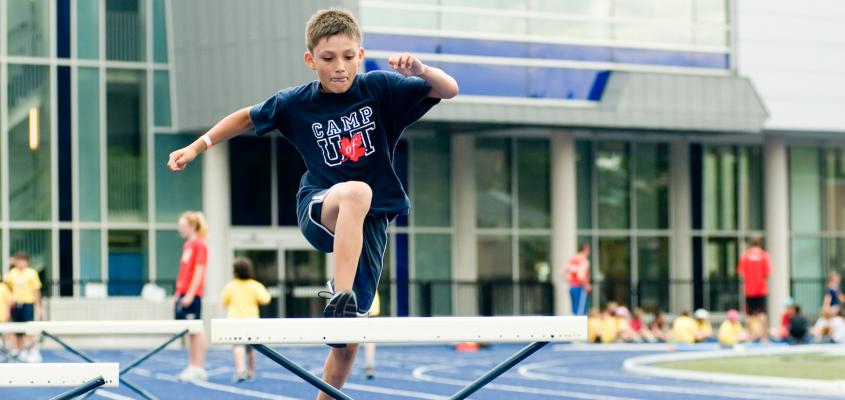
[(614, 323)]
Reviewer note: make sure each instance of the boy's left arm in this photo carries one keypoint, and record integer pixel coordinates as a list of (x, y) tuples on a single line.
[(443, 86)]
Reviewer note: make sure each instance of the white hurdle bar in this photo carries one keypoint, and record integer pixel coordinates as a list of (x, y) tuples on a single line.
[(175, 329), (82, 377), (115, 328), (259, 332), (398, 330)]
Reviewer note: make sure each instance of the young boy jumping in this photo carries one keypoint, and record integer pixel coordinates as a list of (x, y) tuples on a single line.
[(346, 126)]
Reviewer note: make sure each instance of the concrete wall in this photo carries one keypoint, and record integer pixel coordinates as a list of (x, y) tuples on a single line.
[(793, 53)]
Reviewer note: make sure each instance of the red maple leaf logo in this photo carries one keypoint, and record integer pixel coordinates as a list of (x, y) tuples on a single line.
[(352, 149)]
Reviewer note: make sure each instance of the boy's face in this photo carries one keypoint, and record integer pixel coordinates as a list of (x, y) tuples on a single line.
[(335, 59), (20, 262)]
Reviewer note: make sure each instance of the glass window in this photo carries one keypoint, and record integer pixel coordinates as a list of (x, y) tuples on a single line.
[(66, 282), (175, 193), (613, 185), (494, 4), (430, 172), (614, 270), (652, 185), (29, 143), (595, 8), (433, 274), (38, 244), (675, 10), (127, 262), (584, 171), (126, 30), (28, 28), (493, 182), (807, 272), (720, 195), (834, 190), (533, 167), (87, 29), (495, 275), (723, 284), (90, 259), (804, 195), (653, 272), (289, 170), (161, 90), (126, 151), (535, 273), (250, 180), (752, 172), (168, 251), (711, 11), (159, 32), (407, 19), (596, 30), (88, 138), (483, 23)]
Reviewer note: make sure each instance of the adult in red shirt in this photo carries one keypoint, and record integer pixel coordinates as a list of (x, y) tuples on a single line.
[(578, 273), (754, 269), (189, 288)]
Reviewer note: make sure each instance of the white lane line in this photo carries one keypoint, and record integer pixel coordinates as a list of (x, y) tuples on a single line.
[(526, 371), (361, 388), (420, 373), (242, 392), (110, 395)]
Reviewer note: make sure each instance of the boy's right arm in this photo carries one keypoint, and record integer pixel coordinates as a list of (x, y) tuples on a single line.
[(234, 124)]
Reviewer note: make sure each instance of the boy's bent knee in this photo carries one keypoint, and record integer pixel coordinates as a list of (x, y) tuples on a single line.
[(347, 353), (355, 192)]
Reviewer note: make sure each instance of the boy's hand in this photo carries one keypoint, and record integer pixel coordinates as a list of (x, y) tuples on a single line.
[(180, 158), (406, 64)]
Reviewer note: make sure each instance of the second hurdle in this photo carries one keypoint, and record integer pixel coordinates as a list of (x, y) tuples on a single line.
[(539, 331)]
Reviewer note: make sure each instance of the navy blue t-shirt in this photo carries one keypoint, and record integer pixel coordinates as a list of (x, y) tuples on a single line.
[(349, 136)]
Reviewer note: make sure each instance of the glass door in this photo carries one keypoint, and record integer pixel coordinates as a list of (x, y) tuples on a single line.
[(267, 268), (305, 275)]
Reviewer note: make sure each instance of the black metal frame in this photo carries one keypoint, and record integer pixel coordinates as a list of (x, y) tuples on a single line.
[(141, 392), (473, 387)]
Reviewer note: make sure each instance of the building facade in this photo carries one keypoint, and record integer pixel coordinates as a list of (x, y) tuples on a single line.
[(642, 127)]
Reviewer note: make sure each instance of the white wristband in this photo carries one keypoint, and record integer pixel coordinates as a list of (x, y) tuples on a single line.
[(205, 138)]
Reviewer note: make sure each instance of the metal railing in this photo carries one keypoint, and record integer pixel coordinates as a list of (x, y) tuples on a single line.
[(298, 298)]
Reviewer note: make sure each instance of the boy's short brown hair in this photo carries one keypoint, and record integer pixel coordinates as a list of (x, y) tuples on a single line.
[(243, 268), (330, 22), (21, 255)]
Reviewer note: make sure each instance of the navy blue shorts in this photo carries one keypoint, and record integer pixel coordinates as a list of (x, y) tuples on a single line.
[(194, 311), (372, 252), (23, 312)]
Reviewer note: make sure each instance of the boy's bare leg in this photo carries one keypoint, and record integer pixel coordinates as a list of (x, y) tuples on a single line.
[(337, 368), (196, 349), (239, 353), (250, 361), (343, 213)]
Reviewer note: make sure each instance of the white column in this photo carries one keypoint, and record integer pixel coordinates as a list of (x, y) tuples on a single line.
[(680, 268), (777, 223), (215, 194), (465, 254), (564, 213)]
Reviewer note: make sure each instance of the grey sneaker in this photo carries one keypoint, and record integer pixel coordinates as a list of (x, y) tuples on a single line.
[(343, 304)]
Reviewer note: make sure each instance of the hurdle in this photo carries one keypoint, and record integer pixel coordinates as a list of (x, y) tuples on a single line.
[(539, 331), (84, 378), (175, 329)]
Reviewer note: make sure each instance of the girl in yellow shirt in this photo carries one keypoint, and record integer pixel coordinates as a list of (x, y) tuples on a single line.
[(241, 297)]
